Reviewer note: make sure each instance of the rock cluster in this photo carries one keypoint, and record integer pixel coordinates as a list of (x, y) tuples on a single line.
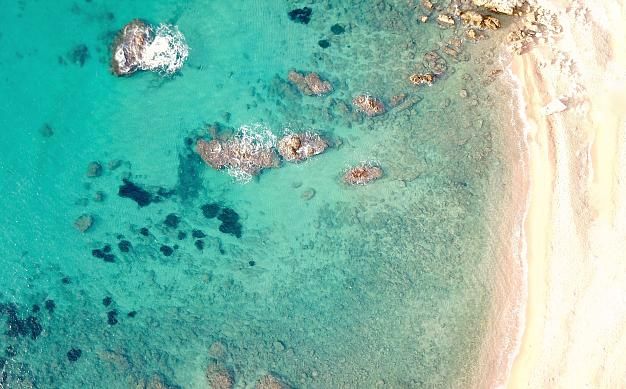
[(500, 6), (475, 19), (435, 62), (369, 105), (362, 174), (420, 79), (298, 147), (310, 84)]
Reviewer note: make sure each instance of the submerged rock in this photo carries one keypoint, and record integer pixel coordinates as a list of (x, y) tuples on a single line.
[(270, 381), (219, 376), (94, 169), (475, 19), (370, 106), (300, 15), (362, 174), (311, 83), (435, 62), (139, 46), (298, 147), (84, 222), (337, 29), (46, 130), (79, 54)]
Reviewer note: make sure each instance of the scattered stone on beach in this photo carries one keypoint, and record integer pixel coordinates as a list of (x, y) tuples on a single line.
[(243, 156), (500, 6), (300, 15), (422, 79), (74, 354), (445, 20), (270, 381), (427, 4), (139, 46), (46, 130), (362, 174), (369, 105), (94, 169), (435, 62), (473, 35), (84, 222), (298, 147), (478, 20), (310, 84), (219, 376)]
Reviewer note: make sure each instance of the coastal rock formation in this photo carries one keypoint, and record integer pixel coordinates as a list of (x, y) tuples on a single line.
[(298, 147), (420, 79), (310, 84), (445, 20), (139, 46), (500, 6), (242, 156), (370, 106), (475, 19), (362, 174), (271, 382)]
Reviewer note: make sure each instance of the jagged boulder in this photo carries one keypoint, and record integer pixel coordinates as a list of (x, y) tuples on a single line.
[(298, 147)]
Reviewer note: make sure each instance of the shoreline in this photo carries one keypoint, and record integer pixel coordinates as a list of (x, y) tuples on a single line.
[(571, 329)]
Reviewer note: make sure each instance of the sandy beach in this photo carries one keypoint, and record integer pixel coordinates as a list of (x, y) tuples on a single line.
[(573, 88)]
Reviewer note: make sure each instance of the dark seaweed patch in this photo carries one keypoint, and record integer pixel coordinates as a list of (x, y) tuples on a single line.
[(134, 192), (199, 244), (112, 317), (166, 250), (74, 354), (124, 246), (198, 234), (172, 220), (324, 43), (300, 15), (107, 301), (210, 210), (50, 305)]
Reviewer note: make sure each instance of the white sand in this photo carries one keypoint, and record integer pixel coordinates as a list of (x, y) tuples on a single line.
[(574, 324)]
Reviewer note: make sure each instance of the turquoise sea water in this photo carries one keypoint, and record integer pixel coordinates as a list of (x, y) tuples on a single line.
[(386, 285)]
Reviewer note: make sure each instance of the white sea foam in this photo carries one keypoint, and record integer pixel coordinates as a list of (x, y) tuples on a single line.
[(166, 52)]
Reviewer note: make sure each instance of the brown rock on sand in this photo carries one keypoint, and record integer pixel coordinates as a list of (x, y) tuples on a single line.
[(370, 106), (362, 174), (420, 79)]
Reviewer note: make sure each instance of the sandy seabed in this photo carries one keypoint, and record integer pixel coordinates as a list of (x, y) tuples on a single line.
[(572, 327)]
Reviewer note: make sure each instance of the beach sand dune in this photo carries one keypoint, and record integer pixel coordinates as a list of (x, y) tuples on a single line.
[(574, 322)]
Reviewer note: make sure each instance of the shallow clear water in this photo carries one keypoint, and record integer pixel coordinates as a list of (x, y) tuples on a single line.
[(385, 285)]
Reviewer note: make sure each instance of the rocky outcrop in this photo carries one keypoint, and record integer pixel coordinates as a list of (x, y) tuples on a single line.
[(362, 174), (243, 156), (139, 46), (219, 376), (298, 147), (501, 6), (369, 105)]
